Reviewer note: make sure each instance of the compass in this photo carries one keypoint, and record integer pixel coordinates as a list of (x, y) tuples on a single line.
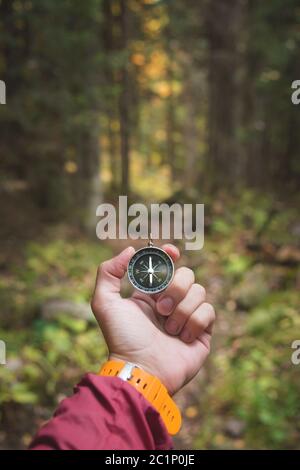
[(151, 269)]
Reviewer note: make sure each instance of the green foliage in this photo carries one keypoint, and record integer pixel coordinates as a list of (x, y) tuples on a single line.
[(255, 381), (262, 382), (50, 361), (63, 269), (47, 357), (252, 379)]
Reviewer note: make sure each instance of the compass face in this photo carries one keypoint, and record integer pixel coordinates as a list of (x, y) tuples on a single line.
[(150, 270)]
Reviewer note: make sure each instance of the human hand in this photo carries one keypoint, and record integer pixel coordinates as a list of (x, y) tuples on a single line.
[(167, 334)]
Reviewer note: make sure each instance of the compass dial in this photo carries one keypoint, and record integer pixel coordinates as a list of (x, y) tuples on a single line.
[(150, 270)]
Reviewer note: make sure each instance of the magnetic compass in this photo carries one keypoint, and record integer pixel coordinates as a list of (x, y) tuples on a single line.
[(151, 269)]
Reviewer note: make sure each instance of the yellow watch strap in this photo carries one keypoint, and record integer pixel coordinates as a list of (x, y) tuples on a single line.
[(150, 387)]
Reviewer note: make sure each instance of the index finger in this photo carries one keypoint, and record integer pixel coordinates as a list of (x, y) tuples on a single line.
[(172, 251)]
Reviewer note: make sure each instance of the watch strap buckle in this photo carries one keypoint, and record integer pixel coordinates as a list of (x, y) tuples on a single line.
[(126, 371)]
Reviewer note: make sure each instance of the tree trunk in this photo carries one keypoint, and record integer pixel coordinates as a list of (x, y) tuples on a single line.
[(113, 154), (111, 105), (191, 101), (223, 26), (87, 184), (124, 104)]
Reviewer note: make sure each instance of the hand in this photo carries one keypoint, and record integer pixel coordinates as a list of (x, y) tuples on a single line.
[(167, 335)]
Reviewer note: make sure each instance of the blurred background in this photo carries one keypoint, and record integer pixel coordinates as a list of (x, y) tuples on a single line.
[(174, 101)]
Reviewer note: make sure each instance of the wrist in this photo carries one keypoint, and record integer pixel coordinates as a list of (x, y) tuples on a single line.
[(142, 365), (147, 385)]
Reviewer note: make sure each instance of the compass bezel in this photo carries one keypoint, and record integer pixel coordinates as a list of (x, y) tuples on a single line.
[(148, 250)]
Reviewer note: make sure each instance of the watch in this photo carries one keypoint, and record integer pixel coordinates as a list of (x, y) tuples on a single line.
[(150, 387), (151, 269)]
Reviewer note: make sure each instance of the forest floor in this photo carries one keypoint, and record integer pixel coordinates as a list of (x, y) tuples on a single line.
[(246, 396)]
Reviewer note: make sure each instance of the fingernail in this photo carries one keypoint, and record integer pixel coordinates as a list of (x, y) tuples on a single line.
[(165, 305), (186, 336), (172, 327)]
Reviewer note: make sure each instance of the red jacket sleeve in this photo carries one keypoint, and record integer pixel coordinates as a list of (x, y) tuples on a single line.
[(104, 413)]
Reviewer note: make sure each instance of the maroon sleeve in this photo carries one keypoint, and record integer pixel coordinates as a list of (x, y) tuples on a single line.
[(104, 413)]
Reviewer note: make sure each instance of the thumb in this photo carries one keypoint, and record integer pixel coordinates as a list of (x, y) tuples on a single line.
[(111, 272)]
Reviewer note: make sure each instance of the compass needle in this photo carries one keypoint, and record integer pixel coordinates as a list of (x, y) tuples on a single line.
[(150, 270)]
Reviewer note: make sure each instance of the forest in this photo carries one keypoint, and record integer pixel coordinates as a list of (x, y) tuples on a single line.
[(164, 102)]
